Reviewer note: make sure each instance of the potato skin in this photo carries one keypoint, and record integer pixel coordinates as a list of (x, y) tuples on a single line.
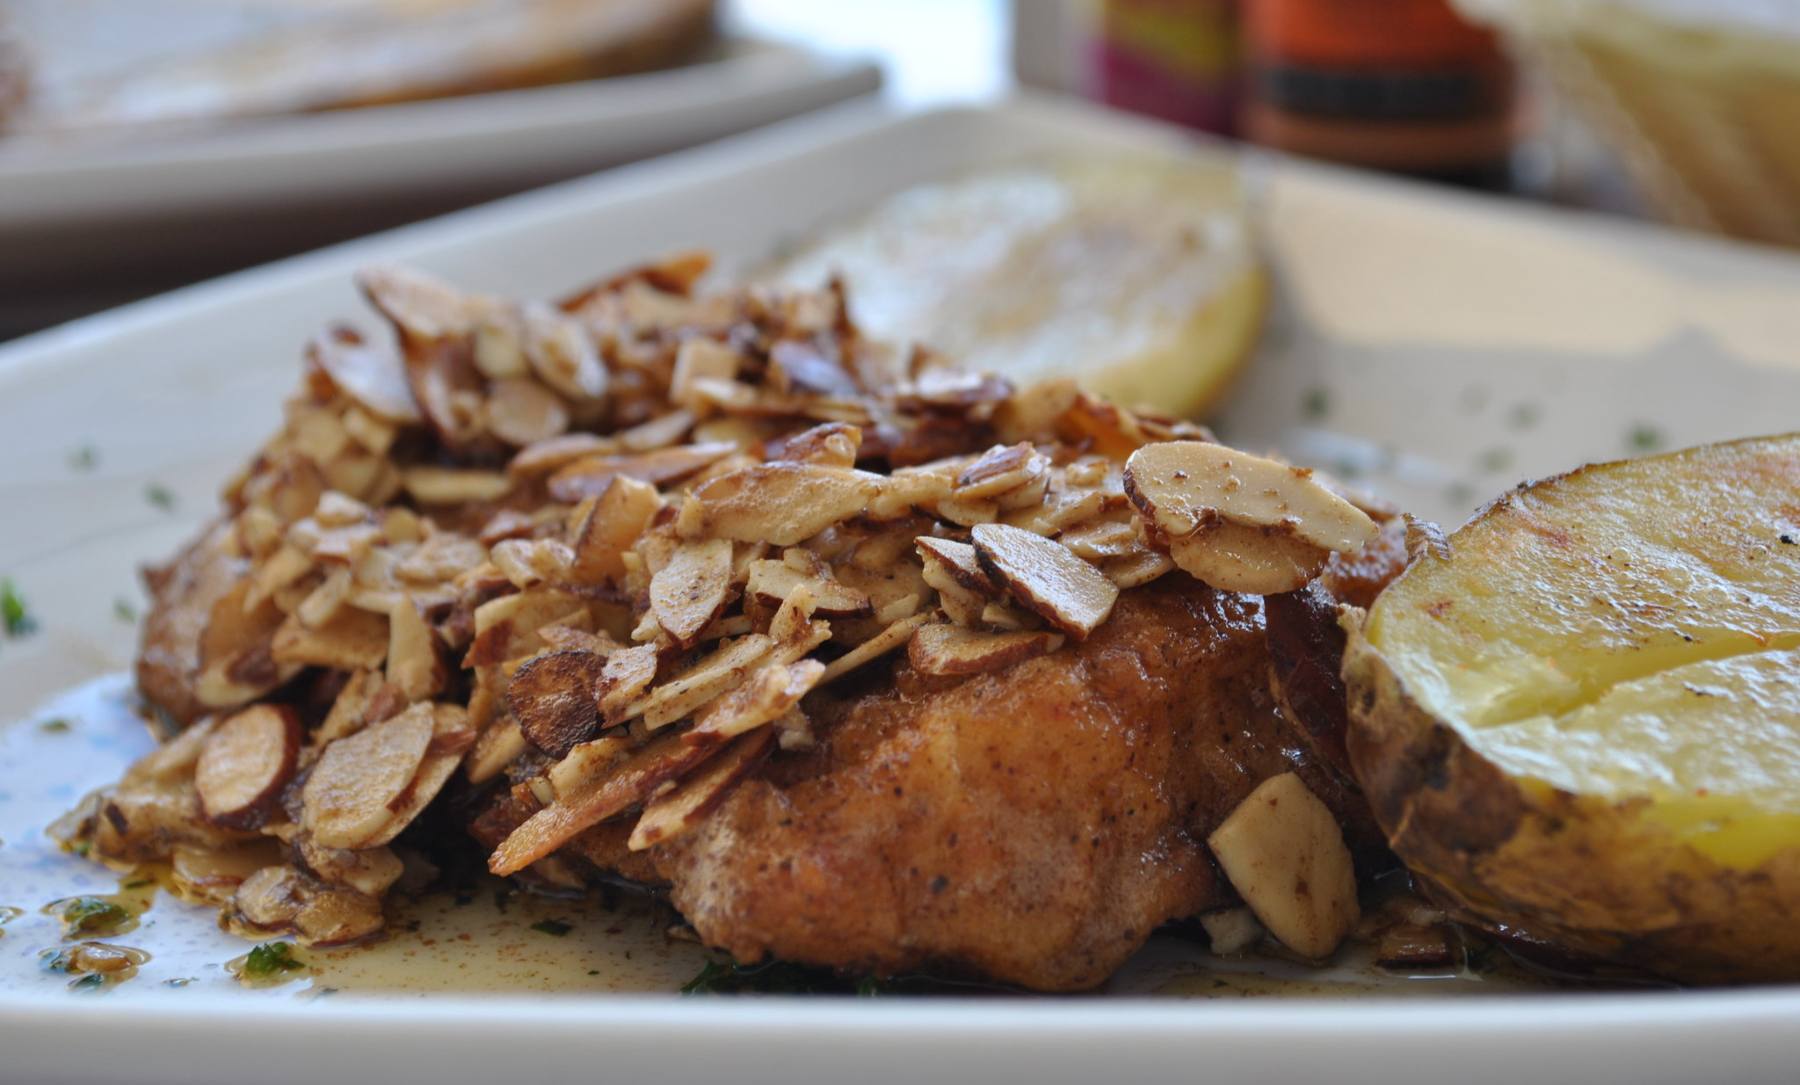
[(1583, 874)]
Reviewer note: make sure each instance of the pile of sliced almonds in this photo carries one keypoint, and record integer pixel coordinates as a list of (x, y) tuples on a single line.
[(597, 554)]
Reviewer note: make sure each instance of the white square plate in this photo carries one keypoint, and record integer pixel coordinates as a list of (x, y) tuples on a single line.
[(1440, 346)]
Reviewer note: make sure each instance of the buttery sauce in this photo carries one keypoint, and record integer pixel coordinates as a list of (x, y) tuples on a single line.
[(484, 938)]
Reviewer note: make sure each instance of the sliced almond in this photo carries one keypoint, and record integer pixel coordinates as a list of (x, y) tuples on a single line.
[(552, 698), (1045, 578), (772, 582), (624, 678), (909, 490), (999, 469), (1099, 540), (442, 556), (763, 697), (629, 783), (953, 650), (450, 741), (246, 762), (1182, 486), (529, 563), (506, 628), (1285, 855), (678, 811), (697, 359), (1233, 557), (348, 797), (659, 432), (874, 648), (499, 746), (213, 875), (956, 560), (715, 674), (590, 476), (544, 456), (602, 537), (354, 640), (1137, 570), (371, 871), (414, 665), (454, 485), (371, 374), (968, 512), (834, 444), (562, 356), (522, 412), (692, 589), (783, 503)]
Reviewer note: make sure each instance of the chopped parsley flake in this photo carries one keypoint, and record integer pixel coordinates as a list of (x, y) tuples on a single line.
[(124, 611), (268, 960), (1644, 438), (1525, 415), (94, 915), (85, 458), (1316, 403), (14, 616), (1495, 459), (55, 725), (555, 927), (160, 496)]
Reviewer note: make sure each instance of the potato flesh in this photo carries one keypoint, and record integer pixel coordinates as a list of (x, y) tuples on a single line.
[(1627, 631)]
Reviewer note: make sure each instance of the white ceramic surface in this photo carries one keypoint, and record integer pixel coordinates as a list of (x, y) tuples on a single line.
[(1438, 345)]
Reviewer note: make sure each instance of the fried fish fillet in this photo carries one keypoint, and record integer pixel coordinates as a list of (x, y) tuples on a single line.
[(1032, 825)]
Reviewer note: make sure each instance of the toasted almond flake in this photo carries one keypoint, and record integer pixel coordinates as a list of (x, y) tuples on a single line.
[(700, 358), (793, 731), (453, 485), (532, 563), (440, 557), (1183, 486), (370, 871), (773, 581), (1233, 557), (659, 432), (499, 344), (627, 674), (413, 663), (245, 763), (354, 640), (590, 476), (1137, 570), (783, 503), (347, 710), (562, 356), (875, 647), (675, 812), (450, 741), (213, 875), (1045, 578), (1102, 539), (339, 510), (347, 800), (715, 674), (692, 589), (1000, 469), (801, 366), (952, 650), (499, 746), (1282, 837), (968, 513), (611, 525), (903, 607), (1007, 619), (1032, 413), (957, 560), (629, 782), (834, 444), (521, 615), (282, 568), (908, 490), (554, 452), (765, 695), (521, 412), (371, 374), (420, 305), (552, 698), (345, 545)]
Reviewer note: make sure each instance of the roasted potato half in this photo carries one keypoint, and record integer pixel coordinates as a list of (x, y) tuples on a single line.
[(1581, 718)]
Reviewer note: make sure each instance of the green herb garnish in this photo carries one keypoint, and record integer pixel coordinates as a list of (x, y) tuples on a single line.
[(868, 987), (269, 959), (1495, 460), (124, 611), (138, 883), (1525, 415), (1315, 404), (14, 616), (555, 927), (85, 458), (160, 496), (55, 725), (1644, 438), (94, 915)]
